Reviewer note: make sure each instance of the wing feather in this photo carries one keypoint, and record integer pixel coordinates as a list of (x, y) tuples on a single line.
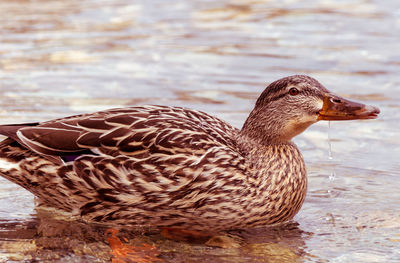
[(134, 131), (47, 140), (94, 124)]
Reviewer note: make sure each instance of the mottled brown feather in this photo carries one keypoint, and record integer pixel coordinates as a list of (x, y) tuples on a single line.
[(163, 166)]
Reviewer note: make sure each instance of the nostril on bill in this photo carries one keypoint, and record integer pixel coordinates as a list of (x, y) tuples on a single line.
[(336, 100)]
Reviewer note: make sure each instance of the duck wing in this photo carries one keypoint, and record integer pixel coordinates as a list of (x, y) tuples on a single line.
[(142, 160), (135, 131)]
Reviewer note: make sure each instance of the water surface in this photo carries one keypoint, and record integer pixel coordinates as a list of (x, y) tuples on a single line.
[(60, 58)]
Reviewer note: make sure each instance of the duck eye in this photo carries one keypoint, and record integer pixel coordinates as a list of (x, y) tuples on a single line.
[(294, 91)]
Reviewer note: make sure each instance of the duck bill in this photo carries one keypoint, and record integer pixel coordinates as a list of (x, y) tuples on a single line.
[(336, 108)]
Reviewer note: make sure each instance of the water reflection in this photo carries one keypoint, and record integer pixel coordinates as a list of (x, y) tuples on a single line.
[(56, 239), (47, 238)]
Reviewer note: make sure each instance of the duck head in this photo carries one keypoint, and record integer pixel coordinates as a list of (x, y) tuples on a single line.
[(291, 104)]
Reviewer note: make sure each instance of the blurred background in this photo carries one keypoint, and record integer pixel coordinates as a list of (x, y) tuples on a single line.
[(60, 58)]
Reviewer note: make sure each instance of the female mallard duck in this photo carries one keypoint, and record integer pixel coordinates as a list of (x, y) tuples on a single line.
[(176, 167)]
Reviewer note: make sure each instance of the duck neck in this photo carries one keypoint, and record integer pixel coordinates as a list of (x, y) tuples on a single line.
[(277, 172), (251, 139), (260, 151), (262, 127)]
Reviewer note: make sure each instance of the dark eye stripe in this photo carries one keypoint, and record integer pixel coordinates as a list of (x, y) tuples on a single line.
[(279, 95), (276, 97)]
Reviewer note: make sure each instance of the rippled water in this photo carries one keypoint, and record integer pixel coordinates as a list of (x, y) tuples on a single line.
[(59, 58)]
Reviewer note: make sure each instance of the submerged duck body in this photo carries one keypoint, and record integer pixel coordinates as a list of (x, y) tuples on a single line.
[(176, 167)]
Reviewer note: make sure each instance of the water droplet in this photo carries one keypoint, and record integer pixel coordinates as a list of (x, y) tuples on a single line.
[(332, 176), (330, 157)]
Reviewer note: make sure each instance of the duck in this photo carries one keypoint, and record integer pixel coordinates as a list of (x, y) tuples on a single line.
[(176, 167)]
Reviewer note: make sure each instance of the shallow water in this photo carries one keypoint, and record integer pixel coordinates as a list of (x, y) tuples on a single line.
[(62, 58)]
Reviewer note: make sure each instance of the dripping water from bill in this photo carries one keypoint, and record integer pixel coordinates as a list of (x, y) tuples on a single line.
[(330, 156)]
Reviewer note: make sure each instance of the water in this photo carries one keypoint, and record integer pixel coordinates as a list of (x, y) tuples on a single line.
[(330, 156), (59, 58)]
